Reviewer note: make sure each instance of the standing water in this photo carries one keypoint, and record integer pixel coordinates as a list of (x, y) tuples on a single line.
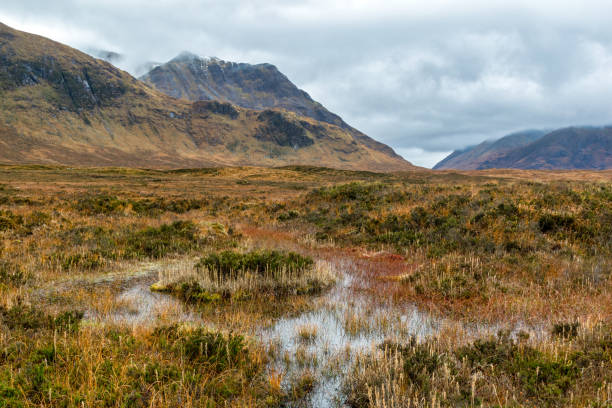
[(324, 342)]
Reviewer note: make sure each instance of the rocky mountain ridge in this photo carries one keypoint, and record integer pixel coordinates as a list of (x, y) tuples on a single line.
[(61, 106)]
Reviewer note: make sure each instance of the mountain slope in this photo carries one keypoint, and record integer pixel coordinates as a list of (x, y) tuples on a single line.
[(58, 105), (571, 148), (472, 157), (260, 86)]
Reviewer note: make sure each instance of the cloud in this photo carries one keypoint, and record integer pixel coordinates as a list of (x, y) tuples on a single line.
[(423, 77)]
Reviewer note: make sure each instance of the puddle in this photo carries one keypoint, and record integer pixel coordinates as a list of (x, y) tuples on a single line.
[(137, 305), (325, 341)]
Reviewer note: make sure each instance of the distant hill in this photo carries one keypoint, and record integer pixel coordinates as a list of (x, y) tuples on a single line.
[(59, 105), (260, 86), (570, 149), (473, 157)]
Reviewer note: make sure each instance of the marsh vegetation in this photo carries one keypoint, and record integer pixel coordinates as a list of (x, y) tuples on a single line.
[(298, 287)]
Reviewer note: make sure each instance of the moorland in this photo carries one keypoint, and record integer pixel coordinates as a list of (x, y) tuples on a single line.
[(304, 286)]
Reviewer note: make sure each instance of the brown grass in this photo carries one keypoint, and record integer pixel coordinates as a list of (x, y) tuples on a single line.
[(111, 363)]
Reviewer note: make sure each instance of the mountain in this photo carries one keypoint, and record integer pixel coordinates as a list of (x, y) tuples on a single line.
[(59, 105), (568, 149), (473, 157), (571, 148), (258, 87)]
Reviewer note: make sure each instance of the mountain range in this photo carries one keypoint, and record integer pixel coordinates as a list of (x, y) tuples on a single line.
[(573, 148), (258, 87), (60, 105)]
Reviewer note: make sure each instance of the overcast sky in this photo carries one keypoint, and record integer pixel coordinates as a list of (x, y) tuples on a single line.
[(425, 77)]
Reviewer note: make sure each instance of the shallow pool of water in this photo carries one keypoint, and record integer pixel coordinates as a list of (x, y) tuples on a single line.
[(344, 325)]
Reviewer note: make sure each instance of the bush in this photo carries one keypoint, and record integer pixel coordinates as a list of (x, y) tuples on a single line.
[(565, 330), (9, 221), (21, 224), (366, 196), (109, 205), (259, 262), (541, 377), (213, 349), (289, 215), (554, 222), (30, 318), (420, 362), (178, 237), (11, 274), (88, 261), (102, 204)]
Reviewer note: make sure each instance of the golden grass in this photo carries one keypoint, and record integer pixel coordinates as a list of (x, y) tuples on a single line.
[(115, 361)]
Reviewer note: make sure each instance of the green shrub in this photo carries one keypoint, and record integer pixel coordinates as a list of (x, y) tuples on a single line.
[(11, 274), (260, 262), (103, 204), (10, 221), (109, 205), (176, 238), (289, 215), (301, 386), (366, 193), (87, 261), (31, 318), (20, 224), (420, 362), (99, 245), (193, 292), (508, 210), (541, 377), (215, 350), (555, 222), (565, 330)]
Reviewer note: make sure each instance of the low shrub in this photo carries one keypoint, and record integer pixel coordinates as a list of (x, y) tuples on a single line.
[(549, 223), (235, 276), (31, 318), (178, 237), (301, 386), (467, 375), (12, 275), (87, 261), (10, 221), (289, 215), (112, 205), (22, 224), (420, 362), (565, 330), (213, 349), (543, 378), (262, 262)]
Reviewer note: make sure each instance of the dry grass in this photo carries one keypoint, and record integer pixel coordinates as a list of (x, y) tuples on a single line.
[(307, 333), (490, 371), (61, 254), (204, 285)]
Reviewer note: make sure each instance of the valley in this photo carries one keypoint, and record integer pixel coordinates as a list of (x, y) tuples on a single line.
[(303, 286)]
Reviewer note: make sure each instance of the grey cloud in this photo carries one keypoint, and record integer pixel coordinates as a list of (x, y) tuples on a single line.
[(426, 78)]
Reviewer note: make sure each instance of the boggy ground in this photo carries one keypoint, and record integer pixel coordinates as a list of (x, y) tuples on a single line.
[(343, 288)]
